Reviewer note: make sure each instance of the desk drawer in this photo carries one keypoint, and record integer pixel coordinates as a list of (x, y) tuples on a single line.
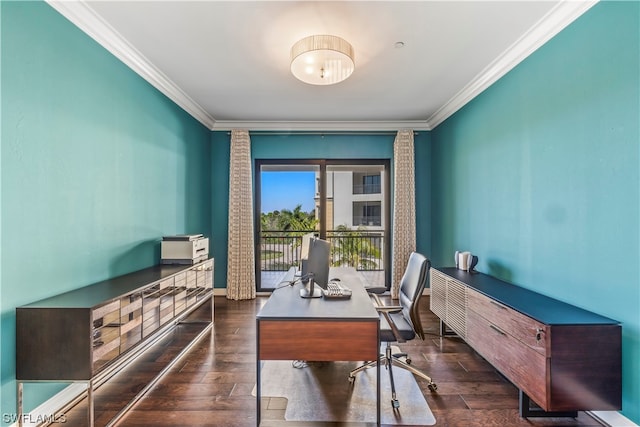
[(521, 364), (317, 340), (525, 329)]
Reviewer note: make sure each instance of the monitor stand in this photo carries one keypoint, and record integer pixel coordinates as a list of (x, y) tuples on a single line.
[(316, 292)]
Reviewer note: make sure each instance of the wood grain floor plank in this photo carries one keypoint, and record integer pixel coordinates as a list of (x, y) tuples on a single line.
[(212, 384)]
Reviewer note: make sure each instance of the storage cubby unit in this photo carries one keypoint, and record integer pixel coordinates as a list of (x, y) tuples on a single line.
[(83, 334)]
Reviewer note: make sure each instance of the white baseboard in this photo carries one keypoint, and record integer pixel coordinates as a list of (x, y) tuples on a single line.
[(612, 418), (47, 410), (222, 292)]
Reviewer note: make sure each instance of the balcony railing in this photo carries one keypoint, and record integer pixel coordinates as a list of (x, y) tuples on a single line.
[(367, 188), (371, 220), (360, 249)]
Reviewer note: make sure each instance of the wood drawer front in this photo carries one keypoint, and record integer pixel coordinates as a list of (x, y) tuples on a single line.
[(180, 280), (104, 310), (180, 303), (167, 283), (130, 303), (166, 301), (126, 327), (205, 266), (320, 340), (529, 331), (166, 314), (522, 365), (151, 303), (208, 279), (191, 279), (203, 275), (101, 349)]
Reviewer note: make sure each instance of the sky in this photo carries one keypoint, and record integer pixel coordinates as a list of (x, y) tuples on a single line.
[(286, 190)]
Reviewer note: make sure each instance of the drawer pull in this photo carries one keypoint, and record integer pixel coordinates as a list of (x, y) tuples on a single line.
[(498, 330), (498, 304)]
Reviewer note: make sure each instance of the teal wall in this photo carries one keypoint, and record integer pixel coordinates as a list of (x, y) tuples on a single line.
[(96, 167), (311, 146), (539, 177), (220, 149), (422, 146)]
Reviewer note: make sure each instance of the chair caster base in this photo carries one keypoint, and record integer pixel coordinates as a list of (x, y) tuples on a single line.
[(395, 403), (433, 386)]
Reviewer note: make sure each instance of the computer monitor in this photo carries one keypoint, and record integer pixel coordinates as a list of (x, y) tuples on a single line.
[(317, 269), (304, 253)]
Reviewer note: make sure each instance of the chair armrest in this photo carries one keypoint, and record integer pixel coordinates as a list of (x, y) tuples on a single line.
[(384, 310), (381, 307), (389, 309), (394, 328)]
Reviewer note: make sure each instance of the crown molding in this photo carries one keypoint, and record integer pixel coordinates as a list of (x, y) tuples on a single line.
[(85, 18), (339, 126), (558, 18)]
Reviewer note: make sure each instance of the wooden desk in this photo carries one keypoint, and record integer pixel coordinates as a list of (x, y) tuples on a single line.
[(293, 328)]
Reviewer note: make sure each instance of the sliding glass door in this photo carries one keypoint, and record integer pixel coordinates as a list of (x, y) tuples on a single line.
[(343, 201), (357, 217), (285, 211)]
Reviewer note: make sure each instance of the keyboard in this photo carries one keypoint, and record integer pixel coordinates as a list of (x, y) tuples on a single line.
[(336, 291)]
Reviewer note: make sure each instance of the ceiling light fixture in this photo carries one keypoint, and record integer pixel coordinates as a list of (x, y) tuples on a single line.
[(322, 60)]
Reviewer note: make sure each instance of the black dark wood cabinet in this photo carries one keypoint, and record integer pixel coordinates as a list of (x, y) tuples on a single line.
[(562, 357), (85, 333)]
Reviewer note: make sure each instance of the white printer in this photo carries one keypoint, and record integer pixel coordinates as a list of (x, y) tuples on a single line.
[(184, 249)]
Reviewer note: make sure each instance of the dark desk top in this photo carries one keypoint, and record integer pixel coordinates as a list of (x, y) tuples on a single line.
[(540, 307), (110, 289), (286, 304)]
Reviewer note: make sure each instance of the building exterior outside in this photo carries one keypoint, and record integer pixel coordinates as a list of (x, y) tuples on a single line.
[(355, 198)]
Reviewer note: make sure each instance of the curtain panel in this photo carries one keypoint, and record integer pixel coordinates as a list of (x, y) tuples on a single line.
[(404, 207), (240, 258)]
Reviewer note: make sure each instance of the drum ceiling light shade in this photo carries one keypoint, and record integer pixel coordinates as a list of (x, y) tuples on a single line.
[(322, 60)]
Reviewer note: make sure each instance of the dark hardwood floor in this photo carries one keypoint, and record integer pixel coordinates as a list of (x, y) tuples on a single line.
[(211, 385)]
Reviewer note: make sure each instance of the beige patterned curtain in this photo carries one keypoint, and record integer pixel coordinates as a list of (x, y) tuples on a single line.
[(240, 259), (404, 207)]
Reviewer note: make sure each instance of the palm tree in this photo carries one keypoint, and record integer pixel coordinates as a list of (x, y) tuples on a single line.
[(354, 249), (296, 220), (286, 229), (269, 221)]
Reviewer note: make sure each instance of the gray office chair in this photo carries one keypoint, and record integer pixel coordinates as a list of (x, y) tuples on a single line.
[(402, 322)]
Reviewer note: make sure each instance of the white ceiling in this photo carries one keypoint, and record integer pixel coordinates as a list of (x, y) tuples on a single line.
[(227, 62)]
